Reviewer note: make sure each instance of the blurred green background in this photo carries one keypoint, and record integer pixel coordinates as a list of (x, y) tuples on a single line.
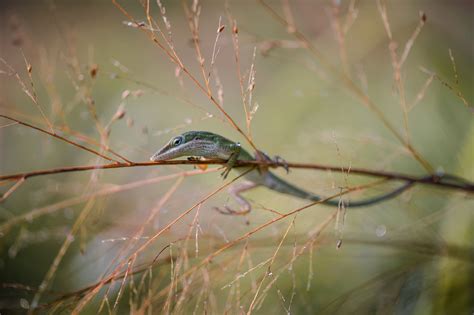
[(411, 255)]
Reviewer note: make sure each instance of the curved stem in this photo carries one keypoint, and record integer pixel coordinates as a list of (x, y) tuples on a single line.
[(444, 180)]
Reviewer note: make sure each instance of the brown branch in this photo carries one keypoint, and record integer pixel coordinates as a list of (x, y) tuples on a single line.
[(12, 189), (446, 180), (58, 137)]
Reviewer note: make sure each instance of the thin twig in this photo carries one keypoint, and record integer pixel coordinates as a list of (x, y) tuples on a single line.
[(86, 299), (271, 261), (59, 137), (350, 85), (422, 92), (259, 228), (193, 15), (12, 189), (65, 129), (172, 56), (451, 57), (397, 65), (411, 41), (31, 94), (340, 36), (38, 212), (456, 91), (435, 180)]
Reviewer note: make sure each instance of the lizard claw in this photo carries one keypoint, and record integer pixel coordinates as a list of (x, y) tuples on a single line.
[(280, 161), (226, 172), (262, 156), (236, 148)]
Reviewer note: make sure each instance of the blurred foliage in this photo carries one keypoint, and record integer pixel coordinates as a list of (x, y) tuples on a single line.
[(411, 255)]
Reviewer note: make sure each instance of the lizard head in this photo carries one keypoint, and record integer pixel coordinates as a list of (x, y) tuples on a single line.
[(191, 143)]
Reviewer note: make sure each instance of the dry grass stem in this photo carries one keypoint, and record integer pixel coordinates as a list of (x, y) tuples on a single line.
[(154, 244), (350, 85), (456, 91), (58, 137)]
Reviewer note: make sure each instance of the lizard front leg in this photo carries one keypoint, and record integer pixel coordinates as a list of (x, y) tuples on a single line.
[(235, 191), (234, 156)]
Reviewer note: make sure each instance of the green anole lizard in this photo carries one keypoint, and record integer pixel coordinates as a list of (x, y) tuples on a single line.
[(208, 145)]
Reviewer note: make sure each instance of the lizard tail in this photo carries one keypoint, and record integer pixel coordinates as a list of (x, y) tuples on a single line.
[(277, 184)]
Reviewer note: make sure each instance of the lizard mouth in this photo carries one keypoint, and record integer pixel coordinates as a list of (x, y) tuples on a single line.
[(161, 155)]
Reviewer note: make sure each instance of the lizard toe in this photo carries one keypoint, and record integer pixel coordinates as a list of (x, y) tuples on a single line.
[(228, 211)]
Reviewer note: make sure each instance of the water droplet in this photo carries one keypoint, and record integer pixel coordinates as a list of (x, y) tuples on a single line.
[(84, 115), (12, 251), (380, 230), (24, 303), (125, 94), (440, 171), (29, 218), (68, 213), (156, 223)]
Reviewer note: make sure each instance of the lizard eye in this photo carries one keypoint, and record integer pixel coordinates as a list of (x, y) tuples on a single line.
[(177, 141)]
